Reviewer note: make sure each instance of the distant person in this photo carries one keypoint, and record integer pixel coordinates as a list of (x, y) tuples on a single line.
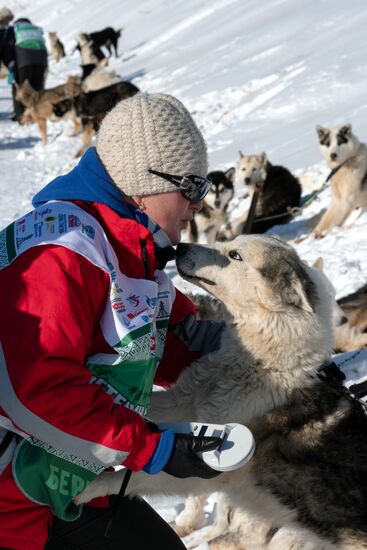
[(25, 55)]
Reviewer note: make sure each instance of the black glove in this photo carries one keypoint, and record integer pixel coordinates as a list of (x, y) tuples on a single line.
[(184, 462)]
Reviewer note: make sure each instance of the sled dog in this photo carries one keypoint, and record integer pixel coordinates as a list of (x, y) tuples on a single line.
[(57, 47), (212, 216), (93, 78), (40, 105), (347, 156), (280, 192), (90, 52), (92, 107), (107, 38), (309, 471)]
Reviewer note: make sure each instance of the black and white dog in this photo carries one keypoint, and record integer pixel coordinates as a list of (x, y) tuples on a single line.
[(207, 223), (107, 38)]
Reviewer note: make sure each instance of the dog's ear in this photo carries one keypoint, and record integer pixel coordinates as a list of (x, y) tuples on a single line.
[(263, 159), (298, 288), (241, 154), (346, 130), (288, 283), (318, 264), (230, 174), (322, 132)]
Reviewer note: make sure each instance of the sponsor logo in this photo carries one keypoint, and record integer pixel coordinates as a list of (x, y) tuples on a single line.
[(38, 229), (133, 315), (162, 312), (112, 271), (62, 223), (118, 306), (20, 240), (152, 302), (44, 212), (89, 231), (133, 299), (73, 221)]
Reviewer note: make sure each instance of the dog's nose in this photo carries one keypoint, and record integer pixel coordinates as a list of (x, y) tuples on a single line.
[(182, 249), (217, 203), (333, 156), (247, 180)]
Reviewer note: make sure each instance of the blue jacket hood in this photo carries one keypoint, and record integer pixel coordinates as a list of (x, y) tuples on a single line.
[(88, 181)]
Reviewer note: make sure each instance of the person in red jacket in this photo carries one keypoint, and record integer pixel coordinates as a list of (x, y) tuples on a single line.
[(90, 321)]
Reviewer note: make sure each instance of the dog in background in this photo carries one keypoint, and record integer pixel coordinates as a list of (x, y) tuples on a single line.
[(94, 78), (107, 38), (90, 52), (280, 192), (57, 47), (212, 216), (40, 104), (265, 376), (347, 157), (92, 107)]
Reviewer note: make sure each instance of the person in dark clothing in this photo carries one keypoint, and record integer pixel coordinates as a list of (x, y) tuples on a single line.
[(25, 55)]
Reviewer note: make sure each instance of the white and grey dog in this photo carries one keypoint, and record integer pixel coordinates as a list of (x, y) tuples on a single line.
[(308, 477), (345, 154)]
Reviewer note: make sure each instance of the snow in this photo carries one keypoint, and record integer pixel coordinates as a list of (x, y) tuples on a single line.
[(257, 76)]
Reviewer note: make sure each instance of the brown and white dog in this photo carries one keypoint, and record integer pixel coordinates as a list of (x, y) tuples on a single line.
[(40, 105)]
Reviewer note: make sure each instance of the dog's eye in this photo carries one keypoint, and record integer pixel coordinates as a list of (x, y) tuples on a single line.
[(234, 255)]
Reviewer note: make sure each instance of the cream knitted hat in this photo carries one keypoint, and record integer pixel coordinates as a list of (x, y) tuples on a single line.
[(150, 131)]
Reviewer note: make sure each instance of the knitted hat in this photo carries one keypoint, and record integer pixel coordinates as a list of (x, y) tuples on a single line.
[(150, 131)]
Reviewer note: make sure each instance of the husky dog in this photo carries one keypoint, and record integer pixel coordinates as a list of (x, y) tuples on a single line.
[(280, 192), (212, 216), (309, 471), (347, 157), (90, 52), (57, 47)]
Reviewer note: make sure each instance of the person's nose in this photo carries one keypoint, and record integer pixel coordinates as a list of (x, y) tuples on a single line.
[(197, 206)]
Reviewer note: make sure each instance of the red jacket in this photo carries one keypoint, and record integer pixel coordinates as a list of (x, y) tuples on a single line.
[(52, 300)]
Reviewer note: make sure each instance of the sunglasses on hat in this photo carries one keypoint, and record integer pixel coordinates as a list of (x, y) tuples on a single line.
[(193, 188)]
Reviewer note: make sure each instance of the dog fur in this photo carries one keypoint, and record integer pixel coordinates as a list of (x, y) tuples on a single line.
[(280, 192), (340, 147), (107, 38), (92, 107), (90, 52), (39, 105), (212, 216), (93, 78), (308, 476), (352, 333), (57, 47)]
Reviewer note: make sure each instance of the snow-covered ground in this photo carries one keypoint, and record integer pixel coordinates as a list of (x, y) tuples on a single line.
[(257, 76)]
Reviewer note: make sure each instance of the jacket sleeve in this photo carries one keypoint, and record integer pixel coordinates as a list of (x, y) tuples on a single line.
[(187, 339), (52, 301)]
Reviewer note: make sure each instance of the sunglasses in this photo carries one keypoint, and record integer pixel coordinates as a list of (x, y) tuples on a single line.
[(193, 188)]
